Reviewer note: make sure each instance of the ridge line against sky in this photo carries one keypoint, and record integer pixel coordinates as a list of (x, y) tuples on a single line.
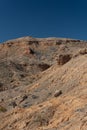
[(43, 18)]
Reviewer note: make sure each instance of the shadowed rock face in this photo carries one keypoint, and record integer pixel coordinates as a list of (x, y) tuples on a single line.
[(63, 58), (38, 90), (1, 87), (43, 66)]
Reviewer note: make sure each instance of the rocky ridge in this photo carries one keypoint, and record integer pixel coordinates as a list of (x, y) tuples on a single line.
[(43, 84)]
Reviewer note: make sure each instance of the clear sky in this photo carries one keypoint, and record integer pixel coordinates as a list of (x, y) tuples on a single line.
[(43, 18)]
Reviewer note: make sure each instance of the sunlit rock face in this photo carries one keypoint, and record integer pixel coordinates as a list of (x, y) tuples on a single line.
[(43, 84)]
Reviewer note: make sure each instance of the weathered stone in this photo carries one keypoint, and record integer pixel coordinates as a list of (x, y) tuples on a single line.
[(43, 66), (83, 51), (57, 93), (63, 58)]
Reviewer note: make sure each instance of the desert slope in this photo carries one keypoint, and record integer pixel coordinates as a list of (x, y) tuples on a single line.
[(44, 91)]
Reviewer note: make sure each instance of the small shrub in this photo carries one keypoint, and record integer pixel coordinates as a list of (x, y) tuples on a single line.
[(2, 109), (9, 44), (59, 42), (1, 87), (41, 120)]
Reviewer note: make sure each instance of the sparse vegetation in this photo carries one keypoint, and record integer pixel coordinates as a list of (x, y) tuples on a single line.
[(2, 109), (41, 90), (1, 87)]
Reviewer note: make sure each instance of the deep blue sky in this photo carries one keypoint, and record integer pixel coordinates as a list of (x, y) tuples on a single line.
[(43, 18)]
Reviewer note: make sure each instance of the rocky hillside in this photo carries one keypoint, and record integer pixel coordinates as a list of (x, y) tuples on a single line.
[(43, 84)]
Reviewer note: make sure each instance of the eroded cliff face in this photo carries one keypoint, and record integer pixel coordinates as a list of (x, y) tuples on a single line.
[(43, 84)]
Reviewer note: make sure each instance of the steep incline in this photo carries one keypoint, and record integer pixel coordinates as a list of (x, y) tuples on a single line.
[(56, 97)]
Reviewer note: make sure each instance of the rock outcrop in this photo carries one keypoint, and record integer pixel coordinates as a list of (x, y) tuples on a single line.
[(43, 84), (63, 58)]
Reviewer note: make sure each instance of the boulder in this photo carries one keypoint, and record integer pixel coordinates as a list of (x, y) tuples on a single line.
[(57, 93)]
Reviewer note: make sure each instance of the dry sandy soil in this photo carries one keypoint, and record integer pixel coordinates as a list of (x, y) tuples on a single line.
[(43, 84)]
